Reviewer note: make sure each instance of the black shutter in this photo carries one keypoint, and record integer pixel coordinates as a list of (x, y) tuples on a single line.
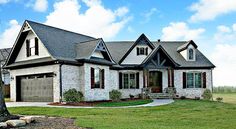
[(92, 78), (137, 50), (103, 78), (120, 80), (36, 46), (146, 52), (204, 79), (184, 80), (137, 80), (27, 48)]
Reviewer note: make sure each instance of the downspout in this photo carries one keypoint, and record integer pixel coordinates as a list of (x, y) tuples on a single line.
[(60, 79)]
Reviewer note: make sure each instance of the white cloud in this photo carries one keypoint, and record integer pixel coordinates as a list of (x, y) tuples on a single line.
[(210, 9), (4, 1), (40, 5), (224, 56), (96, 21), (148, 14), (180, 31), (223, 29), (234, 27), (8, 37)]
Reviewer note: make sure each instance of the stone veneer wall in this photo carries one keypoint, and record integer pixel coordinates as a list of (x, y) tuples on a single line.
[(191, 92), (37, 70)]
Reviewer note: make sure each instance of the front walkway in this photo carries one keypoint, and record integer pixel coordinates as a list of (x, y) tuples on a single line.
[(156, 102)]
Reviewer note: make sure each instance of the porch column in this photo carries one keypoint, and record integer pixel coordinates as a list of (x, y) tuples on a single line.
[(145, 78), (170, 77)]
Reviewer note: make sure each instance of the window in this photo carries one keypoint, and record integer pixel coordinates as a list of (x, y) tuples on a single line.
[(190, 54), (194, 80), (97, 78), (129, 81), (142, 50), (32, 47)]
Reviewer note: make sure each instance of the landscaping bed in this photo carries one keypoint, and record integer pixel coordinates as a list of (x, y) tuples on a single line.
[(107, 103)]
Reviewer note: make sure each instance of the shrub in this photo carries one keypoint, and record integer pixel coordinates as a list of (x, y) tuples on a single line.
[(131, 96), (219, 99), (115, 95), (182, 97), (207, 95), (72, 95)]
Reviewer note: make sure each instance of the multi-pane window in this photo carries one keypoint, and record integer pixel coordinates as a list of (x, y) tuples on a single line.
[(97, 78), (129, 81), (31, 47), (194, 80), (190, 54), (142, 50)]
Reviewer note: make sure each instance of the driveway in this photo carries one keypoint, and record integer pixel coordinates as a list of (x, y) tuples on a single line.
[(156, 102)]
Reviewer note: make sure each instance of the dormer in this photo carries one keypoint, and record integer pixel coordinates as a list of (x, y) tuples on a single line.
[(188, 51)]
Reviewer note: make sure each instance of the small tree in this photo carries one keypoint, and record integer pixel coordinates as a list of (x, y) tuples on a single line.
[(72, 95)]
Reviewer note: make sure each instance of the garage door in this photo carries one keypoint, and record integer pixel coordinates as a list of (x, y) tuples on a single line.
[(37, 88)]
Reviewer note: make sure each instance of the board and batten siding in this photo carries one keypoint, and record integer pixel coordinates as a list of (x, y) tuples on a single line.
[(133, 58), (22, 55)]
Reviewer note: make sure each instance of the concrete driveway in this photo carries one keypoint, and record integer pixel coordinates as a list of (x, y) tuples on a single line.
[(156, 102)]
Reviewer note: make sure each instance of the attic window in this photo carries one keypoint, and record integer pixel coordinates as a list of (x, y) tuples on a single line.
[(142, 50), (32, 47), (190, 54)]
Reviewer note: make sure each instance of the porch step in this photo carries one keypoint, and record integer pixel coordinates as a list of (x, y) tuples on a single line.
[(159, 96)]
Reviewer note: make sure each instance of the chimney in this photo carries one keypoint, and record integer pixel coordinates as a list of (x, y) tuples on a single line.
[(158, 40)]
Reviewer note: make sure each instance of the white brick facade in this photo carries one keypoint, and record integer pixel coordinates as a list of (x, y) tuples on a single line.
[(191, 92)]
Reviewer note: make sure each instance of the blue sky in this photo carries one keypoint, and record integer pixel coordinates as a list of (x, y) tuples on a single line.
[(210, 23)]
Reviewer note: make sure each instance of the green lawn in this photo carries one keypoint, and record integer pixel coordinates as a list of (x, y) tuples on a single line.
[(227, 97), (123, 103), (182, 114)]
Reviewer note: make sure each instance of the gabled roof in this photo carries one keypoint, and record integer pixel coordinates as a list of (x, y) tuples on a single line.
[(61, 44), (4, 53), (150, 56), (142, 36), (85, 49), (185, 46)]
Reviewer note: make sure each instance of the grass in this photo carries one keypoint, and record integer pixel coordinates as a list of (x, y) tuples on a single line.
[(182, 114), (227, 97), (123, 103)]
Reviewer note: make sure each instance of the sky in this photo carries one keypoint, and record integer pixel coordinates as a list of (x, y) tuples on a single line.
[(210, 23)]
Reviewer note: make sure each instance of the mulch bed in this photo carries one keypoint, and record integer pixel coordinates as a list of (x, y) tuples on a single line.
[(51, 123), (88, 103)]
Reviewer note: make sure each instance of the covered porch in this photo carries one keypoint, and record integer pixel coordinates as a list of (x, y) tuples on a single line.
[(158, 71)]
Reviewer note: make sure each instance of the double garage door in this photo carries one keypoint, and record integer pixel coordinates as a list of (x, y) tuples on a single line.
[(36, 88)]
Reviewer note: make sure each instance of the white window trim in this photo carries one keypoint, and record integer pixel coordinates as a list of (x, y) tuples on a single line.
[(123, 80), (194, 87)]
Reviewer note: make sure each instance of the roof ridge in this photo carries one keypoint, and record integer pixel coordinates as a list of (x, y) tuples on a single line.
[(59, 28), (89, 41)]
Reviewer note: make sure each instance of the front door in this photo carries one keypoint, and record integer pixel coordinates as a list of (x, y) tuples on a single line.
[(155, 81)]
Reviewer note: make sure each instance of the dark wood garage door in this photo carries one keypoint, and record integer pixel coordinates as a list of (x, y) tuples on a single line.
[(37, 88)]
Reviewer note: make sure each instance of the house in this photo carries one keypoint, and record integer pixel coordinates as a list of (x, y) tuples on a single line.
[(46, 61), (4, 52)]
